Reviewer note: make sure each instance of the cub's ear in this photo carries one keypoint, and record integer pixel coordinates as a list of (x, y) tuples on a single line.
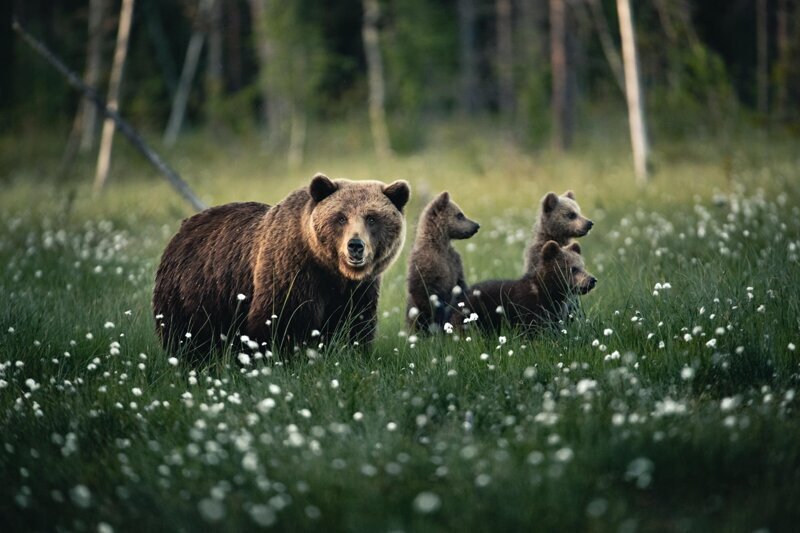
[(549, 202), (570, 195), (574, 247), (550, 250), (442, 200), (398, 193), (321, 187)]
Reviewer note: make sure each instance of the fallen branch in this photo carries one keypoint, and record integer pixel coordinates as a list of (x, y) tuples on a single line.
[(124, 127)]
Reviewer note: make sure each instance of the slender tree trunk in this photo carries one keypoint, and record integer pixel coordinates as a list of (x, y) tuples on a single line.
[(155, 28), (114, 85), (7, 59), (670, 11), (633, 92), (762, 48), (125, 129), (187, 73), (271, 106), (83, 134), (665, 17), (297, 137), (214, 72), (530, 55), (574, 57), (784, 58), (468, 97), (606, 42), (233, 45), (562, 130), (533, 41), (94, 63), (372, 49), (505, 57)]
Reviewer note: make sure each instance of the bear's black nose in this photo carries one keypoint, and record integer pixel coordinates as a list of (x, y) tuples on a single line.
[(589, 224), (592, 282), (355, 247)]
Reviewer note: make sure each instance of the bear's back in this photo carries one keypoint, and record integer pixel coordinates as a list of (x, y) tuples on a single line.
[(205, 266)]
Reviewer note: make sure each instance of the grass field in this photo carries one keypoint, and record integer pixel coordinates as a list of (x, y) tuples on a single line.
[(671, 405)]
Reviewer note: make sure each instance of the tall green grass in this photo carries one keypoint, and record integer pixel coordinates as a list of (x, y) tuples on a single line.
[(639, 414)]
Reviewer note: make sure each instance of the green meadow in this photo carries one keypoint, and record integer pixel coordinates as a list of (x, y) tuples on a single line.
[(669, 404)]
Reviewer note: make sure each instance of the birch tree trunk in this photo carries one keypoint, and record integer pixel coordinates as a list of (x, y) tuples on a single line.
[(633, 92), (94, 61), (83, 134), (762, 50), (112, 101), (468, 98), (562, 130), (372, 49), (505, 57), (187, 73)]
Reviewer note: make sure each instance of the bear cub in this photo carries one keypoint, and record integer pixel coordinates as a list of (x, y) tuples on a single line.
[(534, 300), (303, 270), (559, 220), (435, 272)]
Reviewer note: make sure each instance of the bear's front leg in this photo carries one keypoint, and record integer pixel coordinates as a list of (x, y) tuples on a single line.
[(364, 318), (457, 295)]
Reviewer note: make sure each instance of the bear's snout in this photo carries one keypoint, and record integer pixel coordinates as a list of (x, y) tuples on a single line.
[(589, 285), (355, 249)]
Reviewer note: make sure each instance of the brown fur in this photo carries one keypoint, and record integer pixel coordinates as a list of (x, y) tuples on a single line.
[(559, 220), (434, 267), (535, 299), (291, 262)]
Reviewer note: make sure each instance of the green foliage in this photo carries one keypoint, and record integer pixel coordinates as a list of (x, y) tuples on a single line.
[(298, 55), (419, 49), (682, 414), (697, 85), (533, 101)]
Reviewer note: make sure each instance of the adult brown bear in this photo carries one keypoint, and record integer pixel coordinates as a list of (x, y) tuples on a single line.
[(310, 264)]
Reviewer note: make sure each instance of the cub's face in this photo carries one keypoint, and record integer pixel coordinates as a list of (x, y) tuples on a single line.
[(565, 267), (446, 214), (562, 218), (356, 227)]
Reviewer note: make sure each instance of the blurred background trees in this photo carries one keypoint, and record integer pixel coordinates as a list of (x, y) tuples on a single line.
[(534, 68)]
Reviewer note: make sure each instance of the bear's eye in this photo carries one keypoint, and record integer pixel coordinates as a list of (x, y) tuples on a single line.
[(575, 270), (341, 220), (371, 220), (460, 216), (572, 215)]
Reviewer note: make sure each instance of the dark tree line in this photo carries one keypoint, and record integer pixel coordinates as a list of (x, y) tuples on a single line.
[(277, 64)]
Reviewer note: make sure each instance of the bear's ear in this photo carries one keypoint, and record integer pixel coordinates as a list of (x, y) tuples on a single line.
[(570, 195), (442, 200), (321, 187), (549, 202), (550, 250), (574, 247), (398, 193)]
